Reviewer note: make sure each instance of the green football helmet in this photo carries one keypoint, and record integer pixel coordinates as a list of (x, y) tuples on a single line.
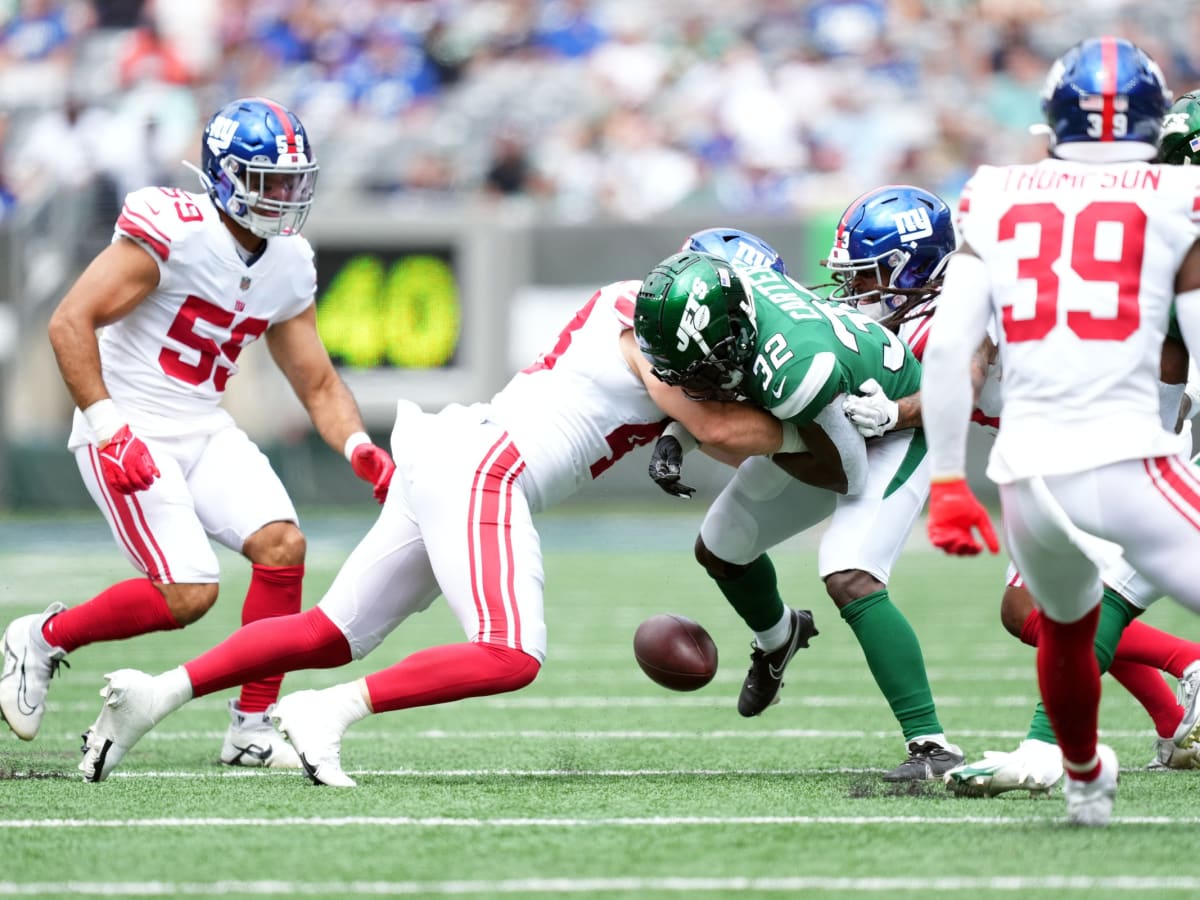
[(694, 321), (1179, 144)]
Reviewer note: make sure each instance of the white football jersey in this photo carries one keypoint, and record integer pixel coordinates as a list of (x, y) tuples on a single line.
[(1081, 261), (579, 408), (168, 360)]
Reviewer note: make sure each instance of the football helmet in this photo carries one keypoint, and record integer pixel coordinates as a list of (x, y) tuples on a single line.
[(737, 247), (695, 322), (1104, 101), (896, 237), (1179, 144), (258, 167)]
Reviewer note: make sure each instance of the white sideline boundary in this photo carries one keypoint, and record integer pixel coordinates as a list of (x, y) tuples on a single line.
[(565, 822), (634, 886)]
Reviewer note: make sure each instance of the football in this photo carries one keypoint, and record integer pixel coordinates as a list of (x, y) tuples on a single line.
[(676, 652)]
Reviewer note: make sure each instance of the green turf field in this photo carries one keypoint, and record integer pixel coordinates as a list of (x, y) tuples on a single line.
[(592, 782)]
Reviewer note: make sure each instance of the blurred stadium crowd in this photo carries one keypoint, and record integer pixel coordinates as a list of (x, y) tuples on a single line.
[(608, 109)]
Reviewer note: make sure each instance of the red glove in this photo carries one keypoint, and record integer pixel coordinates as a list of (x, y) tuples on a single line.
[(373, 464), (953, 514), (126, 463)]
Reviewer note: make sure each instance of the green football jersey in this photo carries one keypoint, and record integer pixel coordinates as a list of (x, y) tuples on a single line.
[(809, 350)]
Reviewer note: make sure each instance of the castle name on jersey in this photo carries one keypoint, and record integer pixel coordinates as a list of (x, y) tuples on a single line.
[(1127, 178)]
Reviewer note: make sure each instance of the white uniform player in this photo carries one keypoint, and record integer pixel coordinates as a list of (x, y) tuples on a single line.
[(458, 521), (166, 365), (186, 283), (1079, 258)]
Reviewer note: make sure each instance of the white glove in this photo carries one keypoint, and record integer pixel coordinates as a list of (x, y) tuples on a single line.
[(873, 413)]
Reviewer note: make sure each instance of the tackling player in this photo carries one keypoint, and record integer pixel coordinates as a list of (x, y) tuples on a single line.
[(458, 521), (189, 280), (799, 356), (1078, 258)]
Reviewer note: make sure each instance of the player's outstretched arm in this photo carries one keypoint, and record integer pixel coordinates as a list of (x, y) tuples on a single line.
[(117, 280), (297, 349)]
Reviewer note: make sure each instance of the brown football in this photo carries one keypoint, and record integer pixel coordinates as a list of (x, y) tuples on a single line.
[(676, 652)]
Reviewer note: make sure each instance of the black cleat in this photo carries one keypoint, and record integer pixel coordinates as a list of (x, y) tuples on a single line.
[(926, 762), (765, 678)]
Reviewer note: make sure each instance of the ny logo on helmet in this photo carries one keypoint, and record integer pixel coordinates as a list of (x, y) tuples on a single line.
[(913, 224), (221, 133), (695, 318)]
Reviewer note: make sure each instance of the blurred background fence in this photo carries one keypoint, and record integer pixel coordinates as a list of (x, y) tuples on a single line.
[(487, 164)]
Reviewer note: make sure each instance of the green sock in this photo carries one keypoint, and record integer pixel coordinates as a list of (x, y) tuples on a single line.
[(894, 658), (1115, 613), (754, 594)]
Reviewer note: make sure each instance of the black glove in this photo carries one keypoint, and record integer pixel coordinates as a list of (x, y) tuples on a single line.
[(665, 465)]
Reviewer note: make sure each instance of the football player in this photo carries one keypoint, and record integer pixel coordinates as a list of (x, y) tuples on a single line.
[(779, 346), (1078, 258), (1036, 765), (458, 521), (189, 280)]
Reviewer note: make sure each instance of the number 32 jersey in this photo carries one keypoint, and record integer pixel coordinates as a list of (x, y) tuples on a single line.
[(1081, 262), (167, 362)]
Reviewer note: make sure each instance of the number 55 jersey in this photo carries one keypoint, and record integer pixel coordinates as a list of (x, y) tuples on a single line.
[(167, 362), (1081, 261)]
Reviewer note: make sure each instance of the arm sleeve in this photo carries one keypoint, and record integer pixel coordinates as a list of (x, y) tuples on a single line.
[(946, 395), (850, 444)]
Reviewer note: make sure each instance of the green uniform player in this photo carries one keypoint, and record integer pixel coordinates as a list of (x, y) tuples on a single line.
[(754, 334)]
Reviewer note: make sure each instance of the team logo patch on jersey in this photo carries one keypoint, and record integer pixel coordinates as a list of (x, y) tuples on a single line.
[(913, 224)]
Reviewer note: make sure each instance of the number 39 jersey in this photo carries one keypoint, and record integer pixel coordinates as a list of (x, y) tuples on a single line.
[(169, 359), (1081, 262)]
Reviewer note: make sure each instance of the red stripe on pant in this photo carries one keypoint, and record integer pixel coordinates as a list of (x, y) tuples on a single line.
[(489, 540), (1182, 480)]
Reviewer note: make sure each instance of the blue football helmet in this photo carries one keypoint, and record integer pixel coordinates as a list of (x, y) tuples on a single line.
[(736, 247), (1104, 101), (257, 165), (896, 236)]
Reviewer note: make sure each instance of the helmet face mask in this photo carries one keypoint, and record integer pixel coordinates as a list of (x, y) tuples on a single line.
[(1179, 144), (1104, 101), (258, 166), (694, 322), (891, 246)]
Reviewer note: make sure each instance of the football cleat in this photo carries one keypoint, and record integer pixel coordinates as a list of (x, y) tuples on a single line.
[(926, 761), (312, 722), (765, 677), (252, 741), (1090, 803), (29, 664), (1035, 766), (1187, 735), (130, 710), (1168, 756)]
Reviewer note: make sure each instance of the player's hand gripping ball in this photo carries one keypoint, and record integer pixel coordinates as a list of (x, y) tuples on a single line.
[(675, 652)]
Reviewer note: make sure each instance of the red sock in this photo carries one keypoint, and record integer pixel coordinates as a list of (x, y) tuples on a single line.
[(450, 672), (1145, 644), (274, 591), (1149, 689), (125, 610), (307, 640), (1069, 678), (1031, 630)]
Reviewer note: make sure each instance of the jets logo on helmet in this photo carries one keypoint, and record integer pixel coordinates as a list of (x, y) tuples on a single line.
[(695, 318), (1179, 144)]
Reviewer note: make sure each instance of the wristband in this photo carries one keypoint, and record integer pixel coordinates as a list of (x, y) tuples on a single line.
[(687, 442), (353, 442), (104, 420), (792, 441)]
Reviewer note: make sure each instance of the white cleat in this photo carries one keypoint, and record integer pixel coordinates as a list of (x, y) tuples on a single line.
[(1090, 803), (29, 664), (1187, 735), (129, 712), (312, 721), (1035, 766), (252, 741), (1168, 756)]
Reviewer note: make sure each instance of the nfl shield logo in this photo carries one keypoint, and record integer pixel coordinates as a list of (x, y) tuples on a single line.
[(245, 286)]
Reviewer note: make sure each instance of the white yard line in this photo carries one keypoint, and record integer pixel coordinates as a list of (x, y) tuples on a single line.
[(633, 886)]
